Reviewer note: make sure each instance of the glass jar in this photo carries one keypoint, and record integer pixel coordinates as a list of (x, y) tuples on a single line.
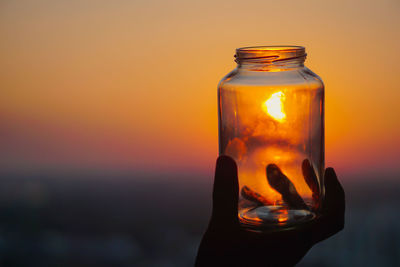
[(271, 122)]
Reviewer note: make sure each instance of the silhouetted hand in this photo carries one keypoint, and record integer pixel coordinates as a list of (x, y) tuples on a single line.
[(225, 243)]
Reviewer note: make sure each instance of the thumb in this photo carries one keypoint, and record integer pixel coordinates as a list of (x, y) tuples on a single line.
[(225, 194), (333, 208), (334, 203)]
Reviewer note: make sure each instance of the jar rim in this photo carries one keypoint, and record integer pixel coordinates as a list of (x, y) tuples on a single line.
[(272, 48), (270, 53)]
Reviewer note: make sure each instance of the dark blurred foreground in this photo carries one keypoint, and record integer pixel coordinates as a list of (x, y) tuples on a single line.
[(149, 220)]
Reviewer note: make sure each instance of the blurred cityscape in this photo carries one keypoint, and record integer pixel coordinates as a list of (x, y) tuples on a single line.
[(153, 220)]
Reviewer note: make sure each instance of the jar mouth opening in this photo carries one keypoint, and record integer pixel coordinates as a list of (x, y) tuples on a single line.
[(270, 53)]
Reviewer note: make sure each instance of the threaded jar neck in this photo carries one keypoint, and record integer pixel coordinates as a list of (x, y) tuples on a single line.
[(271, 55)]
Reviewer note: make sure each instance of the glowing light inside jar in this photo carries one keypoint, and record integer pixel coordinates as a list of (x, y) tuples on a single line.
[(273, 106)]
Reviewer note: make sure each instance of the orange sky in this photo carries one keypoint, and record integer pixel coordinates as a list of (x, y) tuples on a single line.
[(132, 84)]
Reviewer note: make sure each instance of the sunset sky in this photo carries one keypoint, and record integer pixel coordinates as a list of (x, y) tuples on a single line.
[(132, 85)]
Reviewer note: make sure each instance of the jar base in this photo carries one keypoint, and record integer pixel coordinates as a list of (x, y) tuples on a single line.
[(268, 218)]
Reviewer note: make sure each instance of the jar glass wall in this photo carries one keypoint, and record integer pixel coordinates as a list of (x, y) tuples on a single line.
[(271, 122)]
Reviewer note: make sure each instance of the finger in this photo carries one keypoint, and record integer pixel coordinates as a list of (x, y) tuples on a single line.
[(311, 180), (332, 219), (310, 177), (285, 187), (255, 197), (225, 193), (334, 203)]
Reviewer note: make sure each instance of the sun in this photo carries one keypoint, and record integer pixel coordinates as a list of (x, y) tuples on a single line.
[(273, 106)]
